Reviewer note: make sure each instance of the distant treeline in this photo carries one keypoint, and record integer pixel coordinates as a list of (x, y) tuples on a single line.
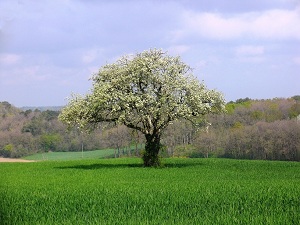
[(42, 108), (251, 129)]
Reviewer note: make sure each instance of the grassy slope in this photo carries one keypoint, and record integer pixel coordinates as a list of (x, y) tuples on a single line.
[(97, 154), (120, 191)]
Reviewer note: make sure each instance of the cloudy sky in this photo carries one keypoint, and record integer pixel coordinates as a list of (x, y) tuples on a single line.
[(50, 48)]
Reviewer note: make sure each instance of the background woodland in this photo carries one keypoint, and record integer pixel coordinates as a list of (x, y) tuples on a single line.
[(251, 129)]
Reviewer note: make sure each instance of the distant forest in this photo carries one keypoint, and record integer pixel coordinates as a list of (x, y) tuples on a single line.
[(251, 129)]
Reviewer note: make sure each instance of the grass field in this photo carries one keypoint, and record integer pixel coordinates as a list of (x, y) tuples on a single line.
[(121, 191), (97, 154)]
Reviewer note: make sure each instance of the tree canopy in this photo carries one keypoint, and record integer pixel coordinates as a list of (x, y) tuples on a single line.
[(145, 92)]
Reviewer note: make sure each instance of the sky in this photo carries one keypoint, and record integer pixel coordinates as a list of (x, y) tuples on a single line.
[(49, 49)]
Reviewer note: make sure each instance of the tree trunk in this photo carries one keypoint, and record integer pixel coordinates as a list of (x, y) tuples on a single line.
[(152, 148)]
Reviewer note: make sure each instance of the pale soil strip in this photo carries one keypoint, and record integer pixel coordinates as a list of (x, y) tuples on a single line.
[(14, 160)]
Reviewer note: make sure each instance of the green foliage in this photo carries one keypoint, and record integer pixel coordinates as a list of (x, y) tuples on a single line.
[(230, 107), (257, 115), (49, 114), (6, 109), (7, 150), (294, 110), (237, 125), (9, 147), (185, 191), (34, 127), (184, 151), (296, 97), (49, 142), (243, 101)]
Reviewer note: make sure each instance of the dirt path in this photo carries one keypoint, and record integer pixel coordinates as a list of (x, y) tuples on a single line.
[(14, 160)]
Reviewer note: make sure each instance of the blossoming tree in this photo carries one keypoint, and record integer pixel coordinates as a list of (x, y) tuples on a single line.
[(145, 92)]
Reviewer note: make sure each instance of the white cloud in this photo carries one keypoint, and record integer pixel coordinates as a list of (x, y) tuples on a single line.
[(56, 43), (92, 70), (250, 53), (270, 24), (201, 63), (249, 50), (178, 49), (9, 59), (296, 60), (89, 56), (22, 75)]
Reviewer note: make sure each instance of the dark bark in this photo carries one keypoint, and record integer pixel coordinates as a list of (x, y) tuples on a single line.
[(152, 147)]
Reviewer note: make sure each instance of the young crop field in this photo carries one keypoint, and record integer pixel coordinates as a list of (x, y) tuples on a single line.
[(121, 191), (96, 154)]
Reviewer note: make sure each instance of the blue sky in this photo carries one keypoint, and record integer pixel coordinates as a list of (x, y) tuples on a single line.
[(50, 48)]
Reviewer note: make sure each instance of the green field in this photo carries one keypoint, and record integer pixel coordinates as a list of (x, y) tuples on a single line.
[(121, 191), (97, 154)]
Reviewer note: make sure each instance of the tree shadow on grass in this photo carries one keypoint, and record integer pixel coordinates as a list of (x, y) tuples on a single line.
[(100, 166), (129, 165)]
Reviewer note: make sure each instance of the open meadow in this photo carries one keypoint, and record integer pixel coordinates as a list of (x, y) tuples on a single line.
[(121, 191), (58, 156)]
